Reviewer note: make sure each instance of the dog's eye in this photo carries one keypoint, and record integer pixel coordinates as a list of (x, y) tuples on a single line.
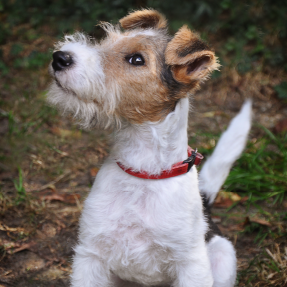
[(136, 60)]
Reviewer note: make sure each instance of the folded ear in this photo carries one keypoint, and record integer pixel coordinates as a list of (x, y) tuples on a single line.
[(189, 57), (146, 18)]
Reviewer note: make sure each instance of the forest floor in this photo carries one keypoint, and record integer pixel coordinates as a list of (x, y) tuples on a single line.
[(48, 166)]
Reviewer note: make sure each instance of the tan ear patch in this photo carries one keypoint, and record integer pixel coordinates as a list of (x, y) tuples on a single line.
[(189, 57), (147, 18), (198, 69)]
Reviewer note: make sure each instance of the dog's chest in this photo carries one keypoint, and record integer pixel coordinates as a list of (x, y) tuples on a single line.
[(142, 226)]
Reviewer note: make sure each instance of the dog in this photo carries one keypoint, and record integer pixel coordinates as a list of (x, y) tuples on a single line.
[(141, 224)]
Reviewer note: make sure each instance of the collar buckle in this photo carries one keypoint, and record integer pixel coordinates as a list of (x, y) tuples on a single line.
[(191, 160)]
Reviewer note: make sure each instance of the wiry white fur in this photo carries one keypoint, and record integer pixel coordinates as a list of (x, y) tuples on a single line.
[(162, 144), (223, 261), (81, 89), (227, 151), (145, 231)]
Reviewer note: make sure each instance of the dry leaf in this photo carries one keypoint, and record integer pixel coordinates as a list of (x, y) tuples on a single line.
[(49, 230), (260, 221), (69, 198), (225, 199), (94, 171), (54, 196), (101, 152), (240, 226), (281, 126), (216, 219), (66, 133), (211, 114), (244, 199), (236, 227)]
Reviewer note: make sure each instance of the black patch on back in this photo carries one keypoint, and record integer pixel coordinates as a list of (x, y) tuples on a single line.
[(212, 227), (196, 46)]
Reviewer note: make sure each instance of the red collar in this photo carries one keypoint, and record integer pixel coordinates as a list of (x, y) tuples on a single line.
[(177, 169)]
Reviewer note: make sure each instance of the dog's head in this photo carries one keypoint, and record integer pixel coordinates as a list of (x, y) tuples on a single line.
[(135, 75)]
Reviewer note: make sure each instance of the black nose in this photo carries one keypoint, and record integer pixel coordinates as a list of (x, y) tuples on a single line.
[(61, 60)]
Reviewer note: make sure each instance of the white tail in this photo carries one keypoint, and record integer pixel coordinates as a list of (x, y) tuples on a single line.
[(227, 151)]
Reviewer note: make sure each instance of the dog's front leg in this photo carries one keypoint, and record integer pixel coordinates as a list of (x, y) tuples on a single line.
[(196, 273), (89, 270)]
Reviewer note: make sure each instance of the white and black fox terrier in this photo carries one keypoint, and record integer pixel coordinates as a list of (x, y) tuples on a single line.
[(146, 221)]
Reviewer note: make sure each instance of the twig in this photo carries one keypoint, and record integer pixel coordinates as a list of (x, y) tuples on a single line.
[(52, 182)]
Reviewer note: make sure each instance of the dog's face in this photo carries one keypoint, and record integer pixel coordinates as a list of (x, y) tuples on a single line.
[(132, 76)]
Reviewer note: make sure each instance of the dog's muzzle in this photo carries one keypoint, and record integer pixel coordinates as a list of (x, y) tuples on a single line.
[(61, 60)]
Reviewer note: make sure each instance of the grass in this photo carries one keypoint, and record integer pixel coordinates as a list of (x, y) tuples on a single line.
[(261, 172), (21, 192), (268, 268)]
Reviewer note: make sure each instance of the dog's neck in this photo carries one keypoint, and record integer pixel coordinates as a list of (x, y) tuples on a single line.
[(153, 147)]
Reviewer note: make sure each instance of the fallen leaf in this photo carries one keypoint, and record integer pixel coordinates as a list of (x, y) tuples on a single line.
[(249, 220), (281, 126), (224, 203), (270, 276), (211, 114), (240, 226), (244, 199), (51, 197), (216, 219), (49, 230), (225, 199), (236, 227), (69, 198), (63, 154), (94, 171), (260, 221), (65, 133), (246, 221), (102, 152), (40, 235)]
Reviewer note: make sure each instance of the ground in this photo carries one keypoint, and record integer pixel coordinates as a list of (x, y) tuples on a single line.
[(48, 166)]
